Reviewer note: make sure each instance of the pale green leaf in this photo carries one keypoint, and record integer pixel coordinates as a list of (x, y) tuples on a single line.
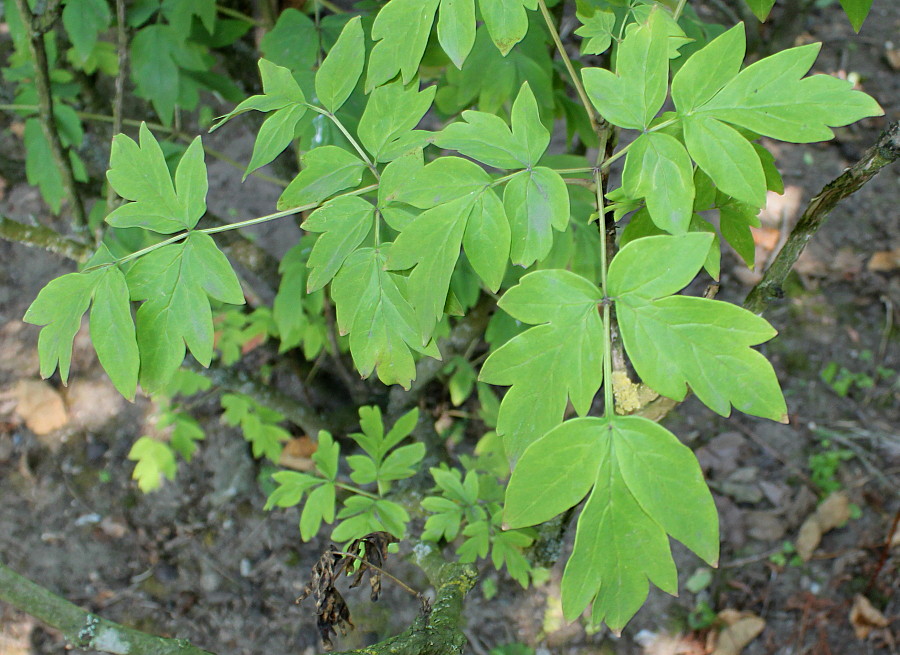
[(155, 460), (549, 364), (339, 73), (770, 98), (658, 169), (391, 113), (536, 203), (112, 331), (506, 21), (326, 455), (344, 223), (708, 70), (291, 487), (275, 134), (657, 266), (400, 33), (727, 157), (456, 29), (634, 94), (325, 171)]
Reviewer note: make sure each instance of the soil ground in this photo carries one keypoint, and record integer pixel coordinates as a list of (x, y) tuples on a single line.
[(200, 560)]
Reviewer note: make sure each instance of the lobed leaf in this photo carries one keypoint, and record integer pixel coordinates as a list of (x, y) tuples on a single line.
[(339, 73), (658, 168), (344, 223), (400, 33), (326, 170), (536, 203)]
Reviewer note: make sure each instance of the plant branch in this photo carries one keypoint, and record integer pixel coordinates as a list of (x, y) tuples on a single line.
[(579, 87), (39, 236), (118, 99), (369, 564), (38, 25), (884, 152), (82, 629)]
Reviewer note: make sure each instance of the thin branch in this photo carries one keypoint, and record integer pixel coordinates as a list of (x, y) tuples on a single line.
[(82, 629), (369, 564), (884, 152), (38, 236), (38, 26)]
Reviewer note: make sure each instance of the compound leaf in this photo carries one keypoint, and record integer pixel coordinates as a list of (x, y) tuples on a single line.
[(658, 168), (326, 170), (280, 89), (339, 73), (155, 459), (112, 331), (400, 32), (708, 70), (344, 223), (536, 200), (633, 95), (674, 341), (596, 32), (548, 364)]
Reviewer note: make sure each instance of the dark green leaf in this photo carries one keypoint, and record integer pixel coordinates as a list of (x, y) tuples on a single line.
[(326, 170), (339, 73), (344, 223)]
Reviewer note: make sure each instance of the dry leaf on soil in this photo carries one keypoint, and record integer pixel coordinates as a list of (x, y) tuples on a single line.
[(833, 512), (297, 454), (742, 628), (884, 261), (864, 617), (41, 407)]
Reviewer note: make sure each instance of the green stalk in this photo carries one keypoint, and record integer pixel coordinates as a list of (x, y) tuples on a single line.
[(362, 153), (608, 400)]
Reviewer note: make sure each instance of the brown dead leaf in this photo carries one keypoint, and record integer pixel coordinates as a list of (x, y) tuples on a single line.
[(893, 57), (743, 627), (665, 644), (831, 513), (297, 454), (864, 617), (781, 208), (766, 237), (885, 261), (42, 409)]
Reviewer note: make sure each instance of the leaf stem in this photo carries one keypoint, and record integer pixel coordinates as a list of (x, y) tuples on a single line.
[(362, 153), (223, 228), (608, 400), (402, 584), (656, 128), (234, 13), (347, 487), (579, 87), (677, 13)]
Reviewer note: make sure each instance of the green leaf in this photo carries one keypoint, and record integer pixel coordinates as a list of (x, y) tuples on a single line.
[(487, 239), (175, 281), (536, 200), (506, 548), (445, 520), (456, 29), (546, 365), (264, 437), (646, 484), (291, 487), (391, 113), (40, 167), (634, 94), (631, 274), (59, 307), (658, 168), (708, 70), (326, 170), (344, 223), (400, 33), (112, 331), (727, 157), (443, 180), (287, 309), (280, 89), (319, 506), (155, 459), (84, 20), (676, 341), (326, 455), (339, 73), (186, 432), (154, 70), (506, 20), (382, 324), (856, 10), (770, 98), (554, 473), (735, 220), (486, 137), (275, 134), (761, 8), (293, 42), (596, 32), (139, 173)]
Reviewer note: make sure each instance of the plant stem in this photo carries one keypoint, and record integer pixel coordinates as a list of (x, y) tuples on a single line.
[(37, 25), (579, 87), (362, 153), (229, 226), (608, 401), (347, 487), (330, 6), (238, 15), (118, 99), (677, 13)]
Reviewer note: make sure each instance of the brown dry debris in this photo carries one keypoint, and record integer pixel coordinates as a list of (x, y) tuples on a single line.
[(742, 628), (864, 617), (833, 512), (332, 613)]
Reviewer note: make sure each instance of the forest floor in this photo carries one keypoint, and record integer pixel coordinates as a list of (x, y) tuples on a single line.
[(201, 560)]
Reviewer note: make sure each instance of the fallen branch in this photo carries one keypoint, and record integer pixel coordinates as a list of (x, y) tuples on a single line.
[(83, 629), (38, 236), (884, 152)]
